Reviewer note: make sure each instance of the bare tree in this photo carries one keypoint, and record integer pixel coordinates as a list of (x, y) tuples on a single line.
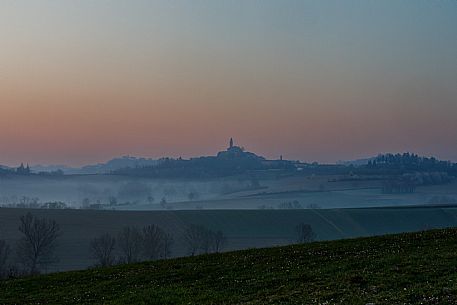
[(4, 253), (200, 239), (102, 249), (36, 247), (305, 233), (195, 237), (130, 243), (207, 241), (156, 242), (219, 241), (167, 244), (152, 241)]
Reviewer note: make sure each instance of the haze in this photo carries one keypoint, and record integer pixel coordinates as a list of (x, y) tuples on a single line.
[(84, 81)]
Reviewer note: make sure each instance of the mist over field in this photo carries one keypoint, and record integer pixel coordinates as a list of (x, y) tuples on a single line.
[(79, 191), (133, 193)]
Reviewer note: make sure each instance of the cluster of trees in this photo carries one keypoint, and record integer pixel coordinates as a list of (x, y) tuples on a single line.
[(133, 245), (305, 233), (398, 186), (411, 162), (54, 205), (408, 182), (151, 243), (200, 239), (289, 205), (25, 202), (35, 249), (22, 202), (428, 178), (383, 164)]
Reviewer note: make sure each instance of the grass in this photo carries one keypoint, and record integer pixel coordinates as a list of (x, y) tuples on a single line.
[(413, 268)]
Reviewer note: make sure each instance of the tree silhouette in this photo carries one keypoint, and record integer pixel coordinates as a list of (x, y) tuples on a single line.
[(36, 247), (130, 243), (305, 233), (102, 249)]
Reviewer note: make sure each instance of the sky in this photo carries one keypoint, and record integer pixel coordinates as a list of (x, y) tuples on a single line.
[(84, 81)]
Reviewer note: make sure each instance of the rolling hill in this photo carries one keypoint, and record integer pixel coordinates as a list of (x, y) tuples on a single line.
[(412, 268)]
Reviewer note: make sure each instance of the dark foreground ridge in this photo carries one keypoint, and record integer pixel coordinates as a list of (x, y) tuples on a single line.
[(413, 268)]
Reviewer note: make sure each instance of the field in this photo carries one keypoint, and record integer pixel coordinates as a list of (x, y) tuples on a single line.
[(244, 228), (414, 268)]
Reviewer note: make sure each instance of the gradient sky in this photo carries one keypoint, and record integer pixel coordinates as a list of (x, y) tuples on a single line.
[(84, 81)]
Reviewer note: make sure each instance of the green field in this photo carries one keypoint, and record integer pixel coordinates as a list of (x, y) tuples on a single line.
[(413, 268)]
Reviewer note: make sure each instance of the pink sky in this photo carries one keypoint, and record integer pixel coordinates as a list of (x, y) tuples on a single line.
[(314, 82)]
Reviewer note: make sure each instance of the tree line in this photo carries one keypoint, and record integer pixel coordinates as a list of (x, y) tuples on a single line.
[(151, 243), (411, 162), (35, 250), (133, 245)]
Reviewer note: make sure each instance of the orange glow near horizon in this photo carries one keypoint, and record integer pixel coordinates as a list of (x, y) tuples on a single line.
[(154, 80)]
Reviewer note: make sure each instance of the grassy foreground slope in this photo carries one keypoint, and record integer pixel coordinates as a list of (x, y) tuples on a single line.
[(413, 268)]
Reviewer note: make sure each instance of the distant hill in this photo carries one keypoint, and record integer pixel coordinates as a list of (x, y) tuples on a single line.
[(100, 168), (232, 161), (235, 160), (413, 268), (52, 168)]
